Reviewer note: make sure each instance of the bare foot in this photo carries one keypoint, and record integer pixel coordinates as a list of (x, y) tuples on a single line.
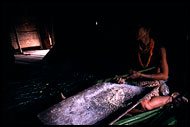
[(174, 95), (178, 97), (62, 96)]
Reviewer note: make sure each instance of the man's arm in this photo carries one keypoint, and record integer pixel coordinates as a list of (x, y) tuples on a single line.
[(163, 75)]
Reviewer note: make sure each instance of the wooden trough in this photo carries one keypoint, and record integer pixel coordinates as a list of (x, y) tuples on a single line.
[(106, 102)]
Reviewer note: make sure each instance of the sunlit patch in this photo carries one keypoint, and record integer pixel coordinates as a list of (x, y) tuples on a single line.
[(30, 56), (37, 52)]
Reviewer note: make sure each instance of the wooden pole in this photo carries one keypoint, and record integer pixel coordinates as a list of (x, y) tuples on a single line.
[(52, 35), (17, 41)]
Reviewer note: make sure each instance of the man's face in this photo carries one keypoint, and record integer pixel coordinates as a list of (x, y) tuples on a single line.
[(142, 34)]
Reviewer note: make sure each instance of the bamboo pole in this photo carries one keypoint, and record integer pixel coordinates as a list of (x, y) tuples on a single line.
[(123, 76)]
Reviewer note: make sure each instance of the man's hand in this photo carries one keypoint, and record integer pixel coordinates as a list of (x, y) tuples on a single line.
[(120, 80), (134, 75)]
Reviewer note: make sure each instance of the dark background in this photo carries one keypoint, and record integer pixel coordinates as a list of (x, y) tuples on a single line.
[(83, 46)]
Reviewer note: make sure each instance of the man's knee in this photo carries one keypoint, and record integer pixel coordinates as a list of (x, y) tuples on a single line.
[(146, 105)]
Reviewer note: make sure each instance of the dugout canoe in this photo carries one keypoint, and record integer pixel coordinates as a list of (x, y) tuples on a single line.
[(102, 103)]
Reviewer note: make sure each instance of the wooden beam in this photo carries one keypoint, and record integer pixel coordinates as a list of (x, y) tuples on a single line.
[(17, 41)]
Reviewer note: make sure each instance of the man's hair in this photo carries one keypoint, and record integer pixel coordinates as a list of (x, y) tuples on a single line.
[(146, 26)]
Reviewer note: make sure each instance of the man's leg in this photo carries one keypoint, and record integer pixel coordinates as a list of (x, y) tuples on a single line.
[(156, 102)]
